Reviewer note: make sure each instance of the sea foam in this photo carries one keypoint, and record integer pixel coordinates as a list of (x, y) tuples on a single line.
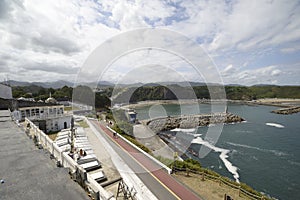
[(275, 152), (275, 125), (187, 130), (223, 156)]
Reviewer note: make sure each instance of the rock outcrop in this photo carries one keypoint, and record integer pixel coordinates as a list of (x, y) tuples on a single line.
[(190, 121)]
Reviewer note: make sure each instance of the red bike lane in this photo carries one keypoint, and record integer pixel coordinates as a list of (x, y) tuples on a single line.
[(170, 183)]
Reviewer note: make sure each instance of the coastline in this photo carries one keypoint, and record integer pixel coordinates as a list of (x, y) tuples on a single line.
[(267, 102), (277, 102)]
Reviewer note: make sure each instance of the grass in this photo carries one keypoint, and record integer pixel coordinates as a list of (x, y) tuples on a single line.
[(207, 189), (70, 108), (131, 139), (195, 166), (83, 124), (134, 141), (52, 135)]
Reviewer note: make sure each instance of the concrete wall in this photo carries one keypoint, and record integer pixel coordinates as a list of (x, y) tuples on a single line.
[(96, 190), (5, 92), (56, 124)]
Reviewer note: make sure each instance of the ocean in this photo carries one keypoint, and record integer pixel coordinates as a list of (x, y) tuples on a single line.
[(263, 152)]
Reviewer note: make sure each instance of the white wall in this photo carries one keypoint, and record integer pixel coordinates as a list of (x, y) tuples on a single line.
[(51, 123)]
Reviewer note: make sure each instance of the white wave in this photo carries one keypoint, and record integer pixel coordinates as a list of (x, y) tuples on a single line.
[(254, 157), (275, 152), (185, 130), (223, 156), (275, 125), (294, 163), (193, 134), (196, 135)]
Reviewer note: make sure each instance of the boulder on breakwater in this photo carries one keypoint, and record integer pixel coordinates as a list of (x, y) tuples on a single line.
[(190, 121)]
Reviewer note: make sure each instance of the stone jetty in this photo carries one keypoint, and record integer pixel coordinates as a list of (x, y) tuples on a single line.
[(190, 121), (287, 111)]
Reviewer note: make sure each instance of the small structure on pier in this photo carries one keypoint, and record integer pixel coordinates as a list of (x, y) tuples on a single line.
[(131, 115)]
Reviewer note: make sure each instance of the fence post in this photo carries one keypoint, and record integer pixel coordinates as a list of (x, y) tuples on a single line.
[(239, 190), (220, 182), (52, 145), (202, 176), (187, 172), (62, 159)]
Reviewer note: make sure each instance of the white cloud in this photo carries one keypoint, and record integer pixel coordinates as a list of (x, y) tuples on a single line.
[(241, 25), (229, 68), (263, 75), (49, 39), (291, 49)]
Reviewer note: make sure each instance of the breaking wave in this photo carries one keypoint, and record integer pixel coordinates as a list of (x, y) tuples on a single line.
[(223, 156), (188, 130), (294, 163), (275, 152), (275, 125)]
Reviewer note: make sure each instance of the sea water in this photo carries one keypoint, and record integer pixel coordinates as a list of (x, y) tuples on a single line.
[(263, 152)]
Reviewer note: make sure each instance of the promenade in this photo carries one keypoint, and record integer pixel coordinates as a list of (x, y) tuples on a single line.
[(159, 182)]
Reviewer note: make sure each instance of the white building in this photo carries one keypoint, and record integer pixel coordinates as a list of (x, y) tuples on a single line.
[(48, 118)]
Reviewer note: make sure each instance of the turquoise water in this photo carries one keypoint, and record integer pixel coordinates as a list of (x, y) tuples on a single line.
[(267, 157)]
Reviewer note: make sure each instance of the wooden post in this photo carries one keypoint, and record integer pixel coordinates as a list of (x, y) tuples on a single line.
[(187, 172), (202, 176), (239, 191)]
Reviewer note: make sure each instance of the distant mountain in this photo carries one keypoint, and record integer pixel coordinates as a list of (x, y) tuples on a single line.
[(263, 85), (61, 83), (234, 85), (182, 84), (55, 84), (17, 83), (105, 83)]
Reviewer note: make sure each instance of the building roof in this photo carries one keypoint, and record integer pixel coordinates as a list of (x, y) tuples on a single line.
[(28, 172), (50, 100)]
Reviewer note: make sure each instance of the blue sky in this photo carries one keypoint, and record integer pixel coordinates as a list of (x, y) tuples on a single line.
[(250, 42)]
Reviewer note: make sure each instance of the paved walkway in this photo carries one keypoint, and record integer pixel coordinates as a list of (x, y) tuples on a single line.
[(123, 164), (104, 157), (163, 185), (28, 172)]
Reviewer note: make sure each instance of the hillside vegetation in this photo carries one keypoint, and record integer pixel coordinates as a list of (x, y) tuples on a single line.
[(158, 92), (202, 92)]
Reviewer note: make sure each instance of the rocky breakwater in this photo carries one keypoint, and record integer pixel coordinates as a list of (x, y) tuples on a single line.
[(190, 121), (287, 111)]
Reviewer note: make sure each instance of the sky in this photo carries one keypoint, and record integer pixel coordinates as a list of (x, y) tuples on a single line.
[(249, 42)]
